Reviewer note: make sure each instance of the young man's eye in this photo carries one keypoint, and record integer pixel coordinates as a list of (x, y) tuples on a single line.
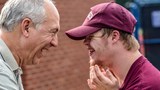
[(88, 38)]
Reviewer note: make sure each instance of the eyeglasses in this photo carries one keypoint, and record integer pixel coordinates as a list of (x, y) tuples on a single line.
[(101, 33), (92, 36)]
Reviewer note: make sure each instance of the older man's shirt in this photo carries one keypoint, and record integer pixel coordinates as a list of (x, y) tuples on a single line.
[(10, 72)]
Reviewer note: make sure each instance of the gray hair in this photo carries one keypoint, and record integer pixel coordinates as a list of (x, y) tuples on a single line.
[(14, 11)]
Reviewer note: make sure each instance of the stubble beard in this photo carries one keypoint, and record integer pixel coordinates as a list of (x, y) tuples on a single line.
[(94, 62)]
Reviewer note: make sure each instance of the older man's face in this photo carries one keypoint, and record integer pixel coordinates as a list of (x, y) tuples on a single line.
[(45, 36)]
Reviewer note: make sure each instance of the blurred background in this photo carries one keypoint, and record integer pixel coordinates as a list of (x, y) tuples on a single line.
[(66, 67)]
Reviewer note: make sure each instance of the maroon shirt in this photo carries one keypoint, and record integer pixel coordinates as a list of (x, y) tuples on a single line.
[(142, 76)]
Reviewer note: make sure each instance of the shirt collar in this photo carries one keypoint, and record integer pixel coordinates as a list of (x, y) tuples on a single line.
[(8, 56)]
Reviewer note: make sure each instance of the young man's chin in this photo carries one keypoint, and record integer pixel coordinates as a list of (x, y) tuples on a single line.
[(94, 62)]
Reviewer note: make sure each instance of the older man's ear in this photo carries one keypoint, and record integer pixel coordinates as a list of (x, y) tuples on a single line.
[(25, 25)]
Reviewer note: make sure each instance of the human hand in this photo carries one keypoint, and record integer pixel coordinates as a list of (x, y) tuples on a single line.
[(101, 79)]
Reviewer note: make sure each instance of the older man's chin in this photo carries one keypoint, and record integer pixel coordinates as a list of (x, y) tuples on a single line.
[(36, 60)]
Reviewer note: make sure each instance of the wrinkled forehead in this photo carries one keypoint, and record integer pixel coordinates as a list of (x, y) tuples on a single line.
[(51, 9), (52, 14)]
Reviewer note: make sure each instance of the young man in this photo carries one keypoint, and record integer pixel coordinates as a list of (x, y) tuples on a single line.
[(115, 60), (28, 29)]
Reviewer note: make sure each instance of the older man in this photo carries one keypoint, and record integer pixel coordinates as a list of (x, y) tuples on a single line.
[(28, 29), (115, 60)]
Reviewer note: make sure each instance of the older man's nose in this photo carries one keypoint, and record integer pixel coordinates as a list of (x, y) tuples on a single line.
[(54, 41)]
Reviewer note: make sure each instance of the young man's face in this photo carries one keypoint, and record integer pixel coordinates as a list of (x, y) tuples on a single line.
[(98, 48), (43, 37)]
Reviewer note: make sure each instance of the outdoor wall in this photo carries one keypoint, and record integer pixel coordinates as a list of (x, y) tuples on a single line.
[(65, 67)]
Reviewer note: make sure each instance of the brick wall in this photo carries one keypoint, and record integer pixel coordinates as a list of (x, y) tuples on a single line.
[(65, 67), (1, 3)]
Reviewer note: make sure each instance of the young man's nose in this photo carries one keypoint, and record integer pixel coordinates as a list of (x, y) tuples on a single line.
[(86, 42)]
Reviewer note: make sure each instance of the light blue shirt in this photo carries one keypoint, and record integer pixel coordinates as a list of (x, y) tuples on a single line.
[(10, 72)]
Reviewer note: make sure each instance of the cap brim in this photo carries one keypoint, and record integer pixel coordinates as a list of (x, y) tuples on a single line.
[(81, 32)]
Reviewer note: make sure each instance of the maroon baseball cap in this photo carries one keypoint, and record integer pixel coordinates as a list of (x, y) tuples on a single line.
[(104, 15)]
